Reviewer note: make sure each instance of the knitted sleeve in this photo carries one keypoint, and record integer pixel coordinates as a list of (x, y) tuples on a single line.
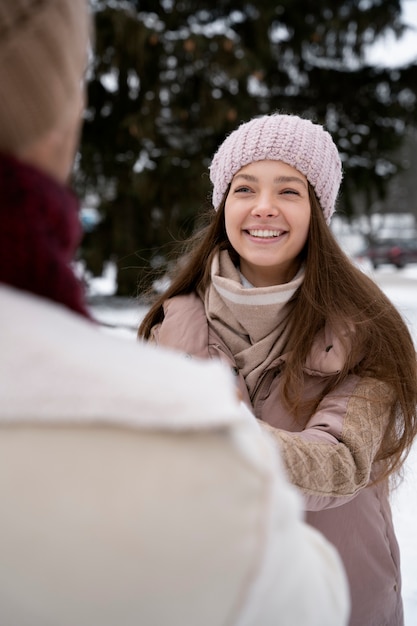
[(330, 467)]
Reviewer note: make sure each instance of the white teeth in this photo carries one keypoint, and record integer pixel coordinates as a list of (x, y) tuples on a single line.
[(264, 233)]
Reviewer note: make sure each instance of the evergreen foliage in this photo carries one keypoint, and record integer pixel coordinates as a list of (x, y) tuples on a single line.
[(170, 79)]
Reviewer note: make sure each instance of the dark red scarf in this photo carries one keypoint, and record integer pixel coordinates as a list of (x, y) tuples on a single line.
[(39, 234)]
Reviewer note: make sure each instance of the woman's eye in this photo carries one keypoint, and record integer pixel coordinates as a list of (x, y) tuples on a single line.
[(291, 191), (242, 190)]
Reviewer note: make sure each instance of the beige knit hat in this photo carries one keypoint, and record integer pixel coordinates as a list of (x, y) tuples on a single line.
[(43, 56)]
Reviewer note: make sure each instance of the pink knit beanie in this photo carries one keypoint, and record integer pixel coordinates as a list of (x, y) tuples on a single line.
[(288, 138)]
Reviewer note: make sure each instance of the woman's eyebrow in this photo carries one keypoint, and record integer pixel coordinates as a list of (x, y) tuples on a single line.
[(290, 179), (278, 179), (248, 177)]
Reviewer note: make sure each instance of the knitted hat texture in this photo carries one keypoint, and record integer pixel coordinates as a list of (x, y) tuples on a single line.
[(288, 138), (43, 55)]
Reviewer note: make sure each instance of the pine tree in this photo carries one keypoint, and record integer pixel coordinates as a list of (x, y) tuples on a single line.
[(170, 79)]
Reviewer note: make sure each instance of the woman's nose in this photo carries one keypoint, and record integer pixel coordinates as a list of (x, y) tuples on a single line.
[(265, 206)]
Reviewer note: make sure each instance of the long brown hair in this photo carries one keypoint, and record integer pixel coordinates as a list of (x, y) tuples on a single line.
[(334, 293)]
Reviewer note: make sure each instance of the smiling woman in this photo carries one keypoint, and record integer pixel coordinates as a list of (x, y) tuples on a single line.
[(310, 339)]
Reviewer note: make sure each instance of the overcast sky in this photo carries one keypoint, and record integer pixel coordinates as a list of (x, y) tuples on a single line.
[(392, 52)]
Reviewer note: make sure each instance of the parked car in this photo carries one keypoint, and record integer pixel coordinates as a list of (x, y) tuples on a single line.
[(397, 252)]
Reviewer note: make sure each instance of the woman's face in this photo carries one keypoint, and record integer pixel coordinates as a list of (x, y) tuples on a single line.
[(267, 217)]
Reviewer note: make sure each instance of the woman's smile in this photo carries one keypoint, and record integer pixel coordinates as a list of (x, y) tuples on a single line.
[(264, 234)]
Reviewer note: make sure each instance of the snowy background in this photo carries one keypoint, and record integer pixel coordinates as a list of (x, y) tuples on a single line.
[(122, 317)]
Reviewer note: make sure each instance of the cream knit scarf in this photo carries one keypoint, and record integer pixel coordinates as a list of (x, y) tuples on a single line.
[(251, 321)]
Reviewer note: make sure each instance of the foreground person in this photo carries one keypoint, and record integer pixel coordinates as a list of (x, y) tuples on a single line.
[(320, 355), (124, 502)]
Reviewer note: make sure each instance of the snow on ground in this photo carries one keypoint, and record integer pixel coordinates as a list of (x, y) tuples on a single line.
[(401, 287), (122, 317)]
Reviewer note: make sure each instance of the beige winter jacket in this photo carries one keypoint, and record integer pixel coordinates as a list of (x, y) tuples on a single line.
[(329, 456), (132, 495)]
